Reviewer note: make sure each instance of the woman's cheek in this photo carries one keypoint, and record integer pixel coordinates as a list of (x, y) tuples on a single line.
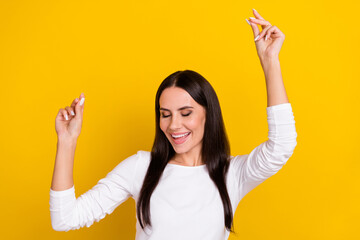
[(194, 122), (163, 125)]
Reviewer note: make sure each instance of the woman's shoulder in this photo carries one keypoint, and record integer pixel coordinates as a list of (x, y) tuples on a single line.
[(143, 158), (143, 153), (140, 158)]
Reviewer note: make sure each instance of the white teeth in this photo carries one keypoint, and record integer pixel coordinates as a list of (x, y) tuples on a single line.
[(179, 136)]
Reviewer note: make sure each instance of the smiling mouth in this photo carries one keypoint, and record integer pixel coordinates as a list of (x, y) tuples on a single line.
[(182, 139)]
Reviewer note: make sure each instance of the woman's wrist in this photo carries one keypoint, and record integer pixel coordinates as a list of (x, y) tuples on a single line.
[(269, 62), (67, 140)]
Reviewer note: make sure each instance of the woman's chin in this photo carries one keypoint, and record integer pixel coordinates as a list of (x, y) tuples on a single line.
[(179, 149)]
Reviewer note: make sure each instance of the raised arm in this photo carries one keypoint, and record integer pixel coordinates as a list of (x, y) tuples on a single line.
[(268, 158), (268, 44), (67, 211), (68, 124)]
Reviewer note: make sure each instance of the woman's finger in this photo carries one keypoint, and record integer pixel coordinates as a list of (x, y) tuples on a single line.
[(64, 114), (255, 28), (257, 15), (79, 107), (264, 32), (274, 32), (70, 111), (74, 102), (259, 21)]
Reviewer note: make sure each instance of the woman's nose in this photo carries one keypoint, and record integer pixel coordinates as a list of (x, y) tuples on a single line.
[(175, 123)]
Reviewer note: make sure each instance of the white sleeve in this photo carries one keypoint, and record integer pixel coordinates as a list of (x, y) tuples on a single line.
[(70, 213), (268, 158)]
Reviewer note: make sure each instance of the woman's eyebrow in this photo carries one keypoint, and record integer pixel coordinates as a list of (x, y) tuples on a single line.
[(178, 109)]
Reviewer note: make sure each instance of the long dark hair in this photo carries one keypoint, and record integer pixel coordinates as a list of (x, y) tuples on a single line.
[(215, 148)]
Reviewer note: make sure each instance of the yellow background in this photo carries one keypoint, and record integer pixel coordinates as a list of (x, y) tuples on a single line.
[(118, 52)]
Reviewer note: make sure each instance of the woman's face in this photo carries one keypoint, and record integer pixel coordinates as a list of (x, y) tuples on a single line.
[(180, 114)]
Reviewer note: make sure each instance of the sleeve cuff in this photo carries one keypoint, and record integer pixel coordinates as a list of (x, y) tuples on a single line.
[(61, 193), (278, 107)]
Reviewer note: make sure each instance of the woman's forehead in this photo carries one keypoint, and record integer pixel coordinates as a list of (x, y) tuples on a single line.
[(175, 98)]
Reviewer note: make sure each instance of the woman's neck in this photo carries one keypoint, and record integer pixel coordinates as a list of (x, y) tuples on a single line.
[(187, 159)]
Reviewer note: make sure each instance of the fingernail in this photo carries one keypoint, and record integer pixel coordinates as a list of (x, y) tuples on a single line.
[(257, 37), (72, 113), (82, 101), (265, 37), (254, 9), (251, 17), (248, 21), (66, 117)]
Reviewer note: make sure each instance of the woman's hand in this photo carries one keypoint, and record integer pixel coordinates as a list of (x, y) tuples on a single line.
[(68, 121), (269, 41)]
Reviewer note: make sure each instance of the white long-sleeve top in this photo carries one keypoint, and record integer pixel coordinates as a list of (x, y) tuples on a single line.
[(186, 203)]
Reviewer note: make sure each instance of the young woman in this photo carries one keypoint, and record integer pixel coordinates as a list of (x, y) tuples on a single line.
[(188, 186)]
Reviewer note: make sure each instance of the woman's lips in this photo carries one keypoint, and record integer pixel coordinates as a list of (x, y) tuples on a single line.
[(181, 139)]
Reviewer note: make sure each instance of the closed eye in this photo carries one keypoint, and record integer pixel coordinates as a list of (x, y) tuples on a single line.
[(184, 115)]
